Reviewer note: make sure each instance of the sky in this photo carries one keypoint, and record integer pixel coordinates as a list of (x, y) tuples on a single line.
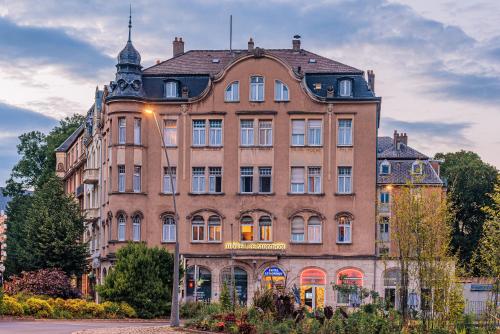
[(437, 62)]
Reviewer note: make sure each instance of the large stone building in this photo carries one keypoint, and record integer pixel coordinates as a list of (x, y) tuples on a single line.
[(274, 157)]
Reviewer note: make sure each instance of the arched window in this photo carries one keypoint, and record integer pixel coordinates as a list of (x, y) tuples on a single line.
[(353, 278), (314, 230), (240, 282), (246, 227), (345, 88), (198, 283), (344, 229), (232, 93), (198, 228), (168, 229), (416, 167), (265, 228), (257, 88), (392, 279), (281, 91), (312, 288), (121, 227), (385, 168), (298, 229), (214, 228), (171, 89), (136, 228)]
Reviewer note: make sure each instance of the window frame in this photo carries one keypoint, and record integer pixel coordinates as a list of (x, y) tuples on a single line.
[(344, 223), (136, 223), (121, 227), (263, 175), (122, 178), (257, 85), (168, 218), (247, 131), (137, 179), (218, 229), (250, 223), (265, 133), (167, 130), (298, 135), (247, 168), (279, 91), (385, 197), (417, 164), (200, 131), (230, 86), (344, 180), (215, 133), (383, 164), (316, 178), (200, 226), (137, 131), (341, 87), (166, 180), (200, 180), (295, 183), (213, 176), (168, 84), (318, 230), (122, 130), (268, 228), (299, 240), (342, 132), (315, 128)]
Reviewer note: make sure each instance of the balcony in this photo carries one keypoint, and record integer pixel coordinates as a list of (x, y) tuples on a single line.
[(91, 213), (90, 175), (79, 190)]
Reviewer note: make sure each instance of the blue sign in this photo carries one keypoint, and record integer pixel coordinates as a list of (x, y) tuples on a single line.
[(481, 287), (274, 271)]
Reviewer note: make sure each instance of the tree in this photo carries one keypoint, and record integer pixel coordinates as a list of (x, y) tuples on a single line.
[(470, 180), (142, 277)]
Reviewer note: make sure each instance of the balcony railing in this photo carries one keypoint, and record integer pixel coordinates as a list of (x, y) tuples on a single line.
[(91, 213), (79, 190), (90, 175)]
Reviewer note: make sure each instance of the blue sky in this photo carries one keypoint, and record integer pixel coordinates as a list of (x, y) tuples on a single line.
[(437, 63)]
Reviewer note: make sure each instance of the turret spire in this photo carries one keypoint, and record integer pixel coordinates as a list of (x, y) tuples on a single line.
[(130, 23)]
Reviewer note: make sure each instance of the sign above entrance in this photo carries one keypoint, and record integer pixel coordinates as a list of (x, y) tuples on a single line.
[(274, 271), (255, 245)]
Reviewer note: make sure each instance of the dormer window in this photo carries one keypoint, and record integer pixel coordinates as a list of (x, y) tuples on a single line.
[(281, 91), (171, 89), (416, 167), (232, 93), (257, 89), (345, 88), (385, 168)]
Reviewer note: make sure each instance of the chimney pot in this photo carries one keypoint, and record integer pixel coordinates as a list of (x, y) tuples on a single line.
[(178, 46), (250, 45), (296, 44), (400, 139), (371, 80)]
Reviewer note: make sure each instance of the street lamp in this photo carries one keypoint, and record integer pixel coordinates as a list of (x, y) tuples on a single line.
[(174, 312)]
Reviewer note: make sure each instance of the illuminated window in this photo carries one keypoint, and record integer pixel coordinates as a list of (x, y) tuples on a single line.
[(265, 228), (246, 228), (170, 132), (198, 228), (351, 277), (214, 228)]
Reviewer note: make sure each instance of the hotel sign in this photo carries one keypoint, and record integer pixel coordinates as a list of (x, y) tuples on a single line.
[(255, 245)]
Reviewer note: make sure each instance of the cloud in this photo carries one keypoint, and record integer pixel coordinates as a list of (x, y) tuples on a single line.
[(50, 47)]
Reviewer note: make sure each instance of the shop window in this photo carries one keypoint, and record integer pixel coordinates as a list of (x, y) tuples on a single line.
[(198, 284), (240, 283), (312, 288), (350, 278)]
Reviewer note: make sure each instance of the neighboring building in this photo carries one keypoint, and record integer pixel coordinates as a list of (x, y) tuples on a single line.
[(397, 165), (478, 292)]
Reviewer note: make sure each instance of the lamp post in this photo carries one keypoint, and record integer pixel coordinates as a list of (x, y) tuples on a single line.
[(174, 313)]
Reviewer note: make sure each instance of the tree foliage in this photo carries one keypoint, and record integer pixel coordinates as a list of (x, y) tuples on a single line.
[(47, 282), (142, 277), (470, 180)]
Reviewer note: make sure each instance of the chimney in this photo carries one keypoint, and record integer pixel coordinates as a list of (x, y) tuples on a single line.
[(400, 139), (178, 47), (371, 80), (250, 45), (158, 61), (436, 165), (296, 43)]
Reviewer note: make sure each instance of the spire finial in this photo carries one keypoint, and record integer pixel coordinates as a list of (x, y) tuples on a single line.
[(130, 22)]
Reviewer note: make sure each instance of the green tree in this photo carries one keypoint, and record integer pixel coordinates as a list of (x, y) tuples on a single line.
[(470, 180), (142, 277)]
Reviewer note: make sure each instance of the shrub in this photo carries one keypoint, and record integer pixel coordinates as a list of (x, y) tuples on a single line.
[(39, 308), (191, 309), (11, 306), (49, 282)]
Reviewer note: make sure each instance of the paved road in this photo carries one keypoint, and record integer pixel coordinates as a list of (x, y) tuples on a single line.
[(64, 326)]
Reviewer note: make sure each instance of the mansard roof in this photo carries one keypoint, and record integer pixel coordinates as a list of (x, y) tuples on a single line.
[(387, 150)]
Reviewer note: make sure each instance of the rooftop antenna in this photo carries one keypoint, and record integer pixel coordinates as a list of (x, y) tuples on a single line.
[(231, 33), (130, 22)]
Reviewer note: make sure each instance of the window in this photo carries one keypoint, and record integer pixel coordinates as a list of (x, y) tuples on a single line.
[(265, 227), (246, 228), (198, 226), (314, 180), (198, 180), (257, 89), (232, 92), (344, 180), (298, 132), (199, 132), (314, 132), (168, 229), (246, 179), (137, 131), (384, 197), (136, 228), (354, 278), (385, 168), (215, 179), (297, 180), (121, 228), (383, 229), (170, 132), (298, 229), (171, 89), (122, 124), (280, 91), (246, 128), (137, 179), (265, 133), (345, 132), (416, 167), (215, 132), (344, 230), (214, 228), (264, 179), (314, 230), (121, 178), (345, 87), (167, 185)]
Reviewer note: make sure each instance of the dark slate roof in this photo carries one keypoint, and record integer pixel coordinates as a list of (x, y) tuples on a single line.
[(71, 139), (401, 173), (387, 150), (154, 86), (360, 88), (129, 55), (201, 62)]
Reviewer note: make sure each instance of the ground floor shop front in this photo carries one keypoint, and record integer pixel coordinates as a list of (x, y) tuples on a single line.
[(311, 278)]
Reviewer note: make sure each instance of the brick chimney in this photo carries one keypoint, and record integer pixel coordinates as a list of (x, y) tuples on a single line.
[(296, 43), (371, 80), (178, 47), (400, 138), (436, 165), (250, 45)]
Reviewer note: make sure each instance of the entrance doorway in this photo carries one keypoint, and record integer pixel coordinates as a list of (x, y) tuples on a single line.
[(312, 288)]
